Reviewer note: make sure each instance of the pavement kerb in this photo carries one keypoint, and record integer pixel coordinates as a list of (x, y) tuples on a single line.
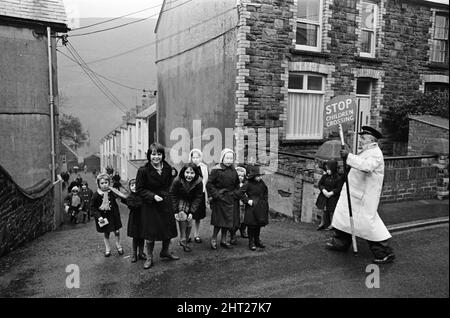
[(416, 224)]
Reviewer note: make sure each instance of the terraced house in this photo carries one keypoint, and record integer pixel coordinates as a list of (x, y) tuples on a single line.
[(274, 64)]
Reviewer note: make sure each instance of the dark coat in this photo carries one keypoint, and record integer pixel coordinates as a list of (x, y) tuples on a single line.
[(258, 213), (192, 193), (158, 219), (333, 183), (86, 196), (201, 211), (223, 187), (113, 215), (134, 226)]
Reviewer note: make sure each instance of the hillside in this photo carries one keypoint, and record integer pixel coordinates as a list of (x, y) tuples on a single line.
[(135, 69)]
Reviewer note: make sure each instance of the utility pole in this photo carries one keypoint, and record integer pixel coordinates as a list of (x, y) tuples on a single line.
[(52, 102)]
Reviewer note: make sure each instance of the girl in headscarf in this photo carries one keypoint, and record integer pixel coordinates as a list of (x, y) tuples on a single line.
[(196, 156), (106, 212), (223, 187)]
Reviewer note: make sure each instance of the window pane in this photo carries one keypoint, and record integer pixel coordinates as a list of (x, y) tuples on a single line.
[(305, 116), (367, 16), (439, 51), (315, 83), (363, 86), (366, 41), (432, 87), (295, 81), (441, 27), (308, 10), (307, 34)]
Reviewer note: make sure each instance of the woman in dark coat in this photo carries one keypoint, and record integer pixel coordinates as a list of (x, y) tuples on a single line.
[(153, 183), (257, 206), (330, 186), (223, 188), (187, 197)]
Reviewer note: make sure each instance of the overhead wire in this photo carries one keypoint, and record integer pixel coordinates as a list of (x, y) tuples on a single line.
[(132, 22), (112, 98)]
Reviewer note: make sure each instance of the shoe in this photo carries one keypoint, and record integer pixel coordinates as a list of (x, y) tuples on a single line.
[(197, 239), (214, 244), (120, 251), (252, 247), (134, 258), (259, 244), (148, 263), (321, 227), (107, 254), (329, 228), (330, 246), (234, 241), (189, 240), (243, 234), (185, 247), (169, 256), (142, 256), (226, 245), (387, 259)]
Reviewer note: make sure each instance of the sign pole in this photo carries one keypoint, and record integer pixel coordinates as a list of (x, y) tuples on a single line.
[(352, 227)]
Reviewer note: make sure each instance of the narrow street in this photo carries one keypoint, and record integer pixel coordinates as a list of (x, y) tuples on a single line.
[(294, 264)]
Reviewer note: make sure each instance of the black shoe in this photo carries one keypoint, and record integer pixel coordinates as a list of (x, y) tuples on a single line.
[(244, 235), (330, 246), (142, 256), (107, 254), (321, 227), (259, 244), (134, 258), (120, 251), (252, 247), (169, 256), (385, 260), (226, 245), (234, 241)]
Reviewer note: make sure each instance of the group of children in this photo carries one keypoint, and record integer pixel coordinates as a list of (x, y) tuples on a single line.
[(78, 200), (237, 197)]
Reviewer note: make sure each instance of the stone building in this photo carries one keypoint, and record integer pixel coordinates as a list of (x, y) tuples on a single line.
[(273, 64), (253, 69)]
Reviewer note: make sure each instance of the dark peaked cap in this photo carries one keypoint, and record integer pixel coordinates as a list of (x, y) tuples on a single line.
[(367, 130)]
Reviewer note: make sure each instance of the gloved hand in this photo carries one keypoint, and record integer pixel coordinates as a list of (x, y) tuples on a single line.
[(344, 153)]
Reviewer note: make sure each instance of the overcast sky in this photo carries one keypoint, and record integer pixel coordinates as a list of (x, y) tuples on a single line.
[(111, 8)]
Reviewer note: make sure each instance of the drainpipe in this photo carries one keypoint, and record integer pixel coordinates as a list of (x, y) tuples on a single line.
[(52, 103)]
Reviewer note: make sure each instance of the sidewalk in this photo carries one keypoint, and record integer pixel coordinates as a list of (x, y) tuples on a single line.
[(410, 211)]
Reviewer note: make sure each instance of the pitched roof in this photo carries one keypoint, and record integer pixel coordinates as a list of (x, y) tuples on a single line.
[(52, 11), (147, 112), (431, 120)]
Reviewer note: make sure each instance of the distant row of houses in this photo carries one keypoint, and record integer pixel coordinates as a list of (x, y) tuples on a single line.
[(124, 148)]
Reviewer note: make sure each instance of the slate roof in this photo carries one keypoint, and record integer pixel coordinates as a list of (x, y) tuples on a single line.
[(147, 112), (51, 11)]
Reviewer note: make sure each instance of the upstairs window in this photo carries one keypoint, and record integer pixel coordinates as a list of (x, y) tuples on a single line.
[(309, 25), (369, 13), (439, 49)]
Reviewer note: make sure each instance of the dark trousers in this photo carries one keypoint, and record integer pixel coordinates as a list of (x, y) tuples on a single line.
[(343, 240)]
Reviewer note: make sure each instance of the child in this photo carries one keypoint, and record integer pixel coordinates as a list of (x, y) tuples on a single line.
[(242, 227), (105, 210), (330, 186), (186, 193), (86, 196), (257, 209), (134, 228), (73, 204), (223, 187), (196, 157)]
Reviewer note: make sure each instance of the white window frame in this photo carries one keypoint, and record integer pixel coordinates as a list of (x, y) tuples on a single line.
[(374, 30), (305, 90), (445, 60), (317, 48)]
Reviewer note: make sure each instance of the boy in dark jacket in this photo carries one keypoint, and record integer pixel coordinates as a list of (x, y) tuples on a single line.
[(73, 204), (86, 196), (330, 186), (257, 206)]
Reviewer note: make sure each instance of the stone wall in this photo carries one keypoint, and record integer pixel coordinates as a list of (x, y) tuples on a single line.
[(24, 215), (420, 135)]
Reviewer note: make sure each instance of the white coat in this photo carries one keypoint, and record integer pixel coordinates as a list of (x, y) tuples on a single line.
[(365, 181)]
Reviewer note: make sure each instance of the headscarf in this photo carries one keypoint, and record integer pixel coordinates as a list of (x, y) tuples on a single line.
[(224, 152), (197, 151)]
